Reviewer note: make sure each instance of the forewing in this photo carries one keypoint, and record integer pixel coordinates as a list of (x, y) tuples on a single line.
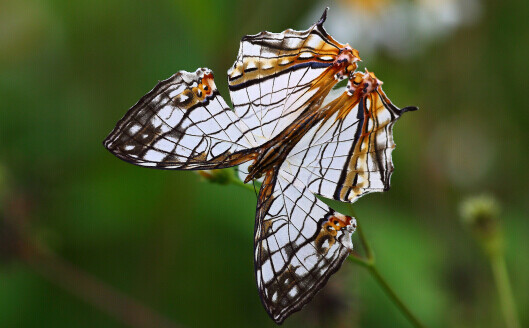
[(183, 123), (347, 157), (277, 75), (299, 243)]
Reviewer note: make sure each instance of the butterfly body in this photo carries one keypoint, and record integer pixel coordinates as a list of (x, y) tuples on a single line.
[(276, 150), (287, 129)]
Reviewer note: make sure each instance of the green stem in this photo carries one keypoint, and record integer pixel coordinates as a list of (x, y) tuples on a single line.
[(501, 278), (393, 296), (236, 181), (369, 263), (370, 255), (355, 258), (481, 215), (226, 177)]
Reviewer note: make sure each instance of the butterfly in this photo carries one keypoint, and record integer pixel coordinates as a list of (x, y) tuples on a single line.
[(286, 129)]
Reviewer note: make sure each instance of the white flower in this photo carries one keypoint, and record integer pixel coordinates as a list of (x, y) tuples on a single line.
[(398, 27)]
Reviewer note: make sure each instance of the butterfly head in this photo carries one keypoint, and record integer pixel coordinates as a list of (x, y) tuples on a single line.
[(206, 86), (346, 62), (365, 83)]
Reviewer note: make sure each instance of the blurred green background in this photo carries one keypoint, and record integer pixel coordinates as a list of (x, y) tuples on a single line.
[(121, 243)]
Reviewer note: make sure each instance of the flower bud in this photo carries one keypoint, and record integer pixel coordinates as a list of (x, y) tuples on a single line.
[(480, 215), (223, 176)]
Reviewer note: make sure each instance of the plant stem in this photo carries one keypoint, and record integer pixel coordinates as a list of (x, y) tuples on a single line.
[(369, 263), (234, 180), (481, 215), (501, 278), (88, 288), (393, 296), (367, 247)]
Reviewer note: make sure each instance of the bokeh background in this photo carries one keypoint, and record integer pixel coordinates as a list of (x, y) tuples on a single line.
[(87, 240)]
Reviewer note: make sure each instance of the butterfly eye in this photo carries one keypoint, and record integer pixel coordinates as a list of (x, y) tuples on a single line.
[(205, 88), (198, 92)]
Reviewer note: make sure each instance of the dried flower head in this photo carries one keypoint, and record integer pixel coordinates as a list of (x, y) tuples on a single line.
[(480, 213)]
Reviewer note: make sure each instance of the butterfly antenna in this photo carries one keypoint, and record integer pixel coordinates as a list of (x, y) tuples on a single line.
[(254, 188)]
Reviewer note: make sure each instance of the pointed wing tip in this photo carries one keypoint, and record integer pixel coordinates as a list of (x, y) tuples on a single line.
[(278, 317), (110, 144), (110, 141), (323, 17), (279, 321), (408, 109), (107, 144)]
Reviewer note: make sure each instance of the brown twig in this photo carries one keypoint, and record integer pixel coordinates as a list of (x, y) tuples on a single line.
[(91, 290), (21, 246)]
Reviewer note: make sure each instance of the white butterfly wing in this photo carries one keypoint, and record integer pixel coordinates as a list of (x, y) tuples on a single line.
[(348, 157), (183, 123), (278, 75), (299, 243)]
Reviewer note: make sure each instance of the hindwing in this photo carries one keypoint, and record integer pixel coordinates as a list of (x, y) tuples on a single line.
[(299, 243)]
